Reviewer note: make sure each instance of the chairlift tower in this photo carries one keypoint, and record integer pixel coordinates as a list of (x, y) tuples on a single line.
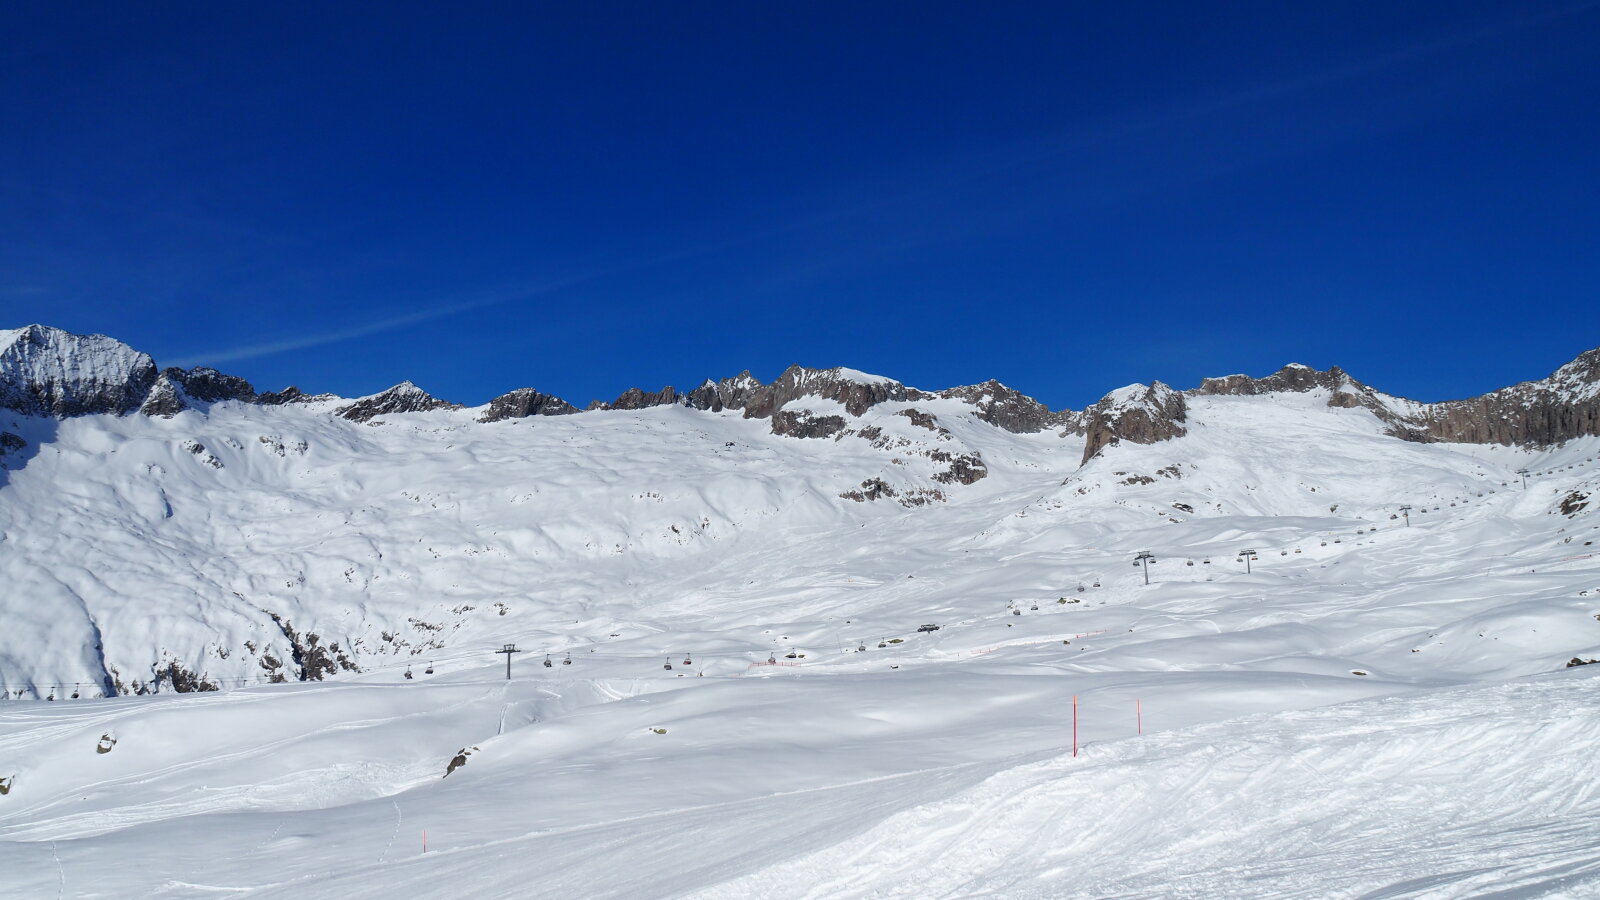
[(508, 649), (1247, 556), (1406, 511), (1524, 474), (1144, 559)]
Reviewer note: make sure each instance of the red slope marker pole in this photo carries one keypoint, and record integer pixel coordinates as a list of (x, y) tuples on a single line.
[(425, 835), (1074, 726)]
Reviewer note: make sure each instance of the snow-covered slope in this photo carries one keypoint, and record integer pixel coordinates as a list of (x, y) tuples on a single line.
[(1377, 704)]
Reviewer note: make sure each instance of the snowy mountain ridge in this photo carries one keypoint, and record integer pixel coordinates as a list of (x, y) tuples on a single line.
[(829, 638), (46, 371)]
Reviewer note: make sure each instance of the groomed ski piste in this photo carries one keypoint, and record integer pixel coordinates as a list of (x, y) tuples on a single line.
[(1379, 707)]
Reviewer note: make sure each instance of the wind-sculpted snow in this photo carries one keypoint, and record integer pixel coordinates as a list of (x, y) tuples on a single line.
[(831, 651)]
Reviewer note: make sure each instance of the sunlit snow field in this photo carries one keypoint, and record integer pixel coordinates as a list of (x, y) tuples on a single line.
[(1375, 709)]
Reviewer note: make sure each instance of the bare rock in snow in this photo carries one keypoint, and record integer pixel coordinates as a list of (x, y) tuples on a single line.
[(404, 397), (802, 424), (856, 391), (49, 372), (1138, 414), (524, 402)]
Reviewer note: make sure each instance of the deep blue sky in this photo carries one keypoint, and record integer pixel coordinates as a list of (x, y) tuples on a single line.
[(585, 197)]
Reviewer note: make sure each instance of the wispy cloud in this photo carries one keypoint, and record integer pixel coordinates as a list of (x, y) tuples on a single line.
[(390, 323)]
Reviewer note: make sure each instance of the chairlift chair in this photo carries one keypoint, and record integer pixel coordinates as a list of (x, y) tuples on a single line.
[(408, 673), (568, 660), (1015, 611), (547, 663), (882, 644), (862, 648), (429, 669), (74, 693), (687, 660), (668, 666), (772, 659), (1034, 607)]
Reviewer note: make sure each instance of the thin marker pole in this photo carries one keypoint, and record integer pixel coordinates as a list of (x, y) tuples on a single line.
[(1074, 726), (1138, 706)]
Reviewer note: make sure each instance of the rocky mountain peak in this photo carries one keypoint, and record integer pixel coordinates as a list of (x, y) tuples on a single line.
[(1010, 409), (176, 390), (1138, 414), (729, 393), (49, 372), (404, 397), (856, 391), (524, 402)]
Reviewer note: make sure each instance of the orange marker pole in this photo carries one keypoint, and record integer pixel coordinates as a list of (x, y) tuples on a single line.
[(424, 840), (1074, 726)]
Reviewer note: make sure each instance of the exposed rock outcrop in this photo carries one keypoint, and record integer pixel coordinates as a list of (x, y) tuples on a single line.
[(176, 390), (1538, 413), (637, 398), (524, 402), (49, 372), (1010, 409), (404, 397), (165, 399), (1138, 414), (291, 394), (856, 391), (968, 468), (1534, 413), (802, 424), (729, 393)]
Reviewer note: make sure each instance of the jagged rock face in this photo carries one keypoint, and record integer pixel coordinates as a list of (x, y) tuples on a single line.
[(50, 372), (1293, 378), (857, 391), (165, 398), (524, 402), (10, 443), (1344, 392), (635, 398), (968, 468), (1009, 409), (291, 394), (404, 397), (210, 386), (802, 424), (1564, 406), (729, 393), (1139, 414), (175, 388)]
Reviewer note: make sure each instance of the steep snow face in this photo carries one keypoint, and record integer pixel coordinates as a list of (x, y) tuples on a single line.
[(49, 372)]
